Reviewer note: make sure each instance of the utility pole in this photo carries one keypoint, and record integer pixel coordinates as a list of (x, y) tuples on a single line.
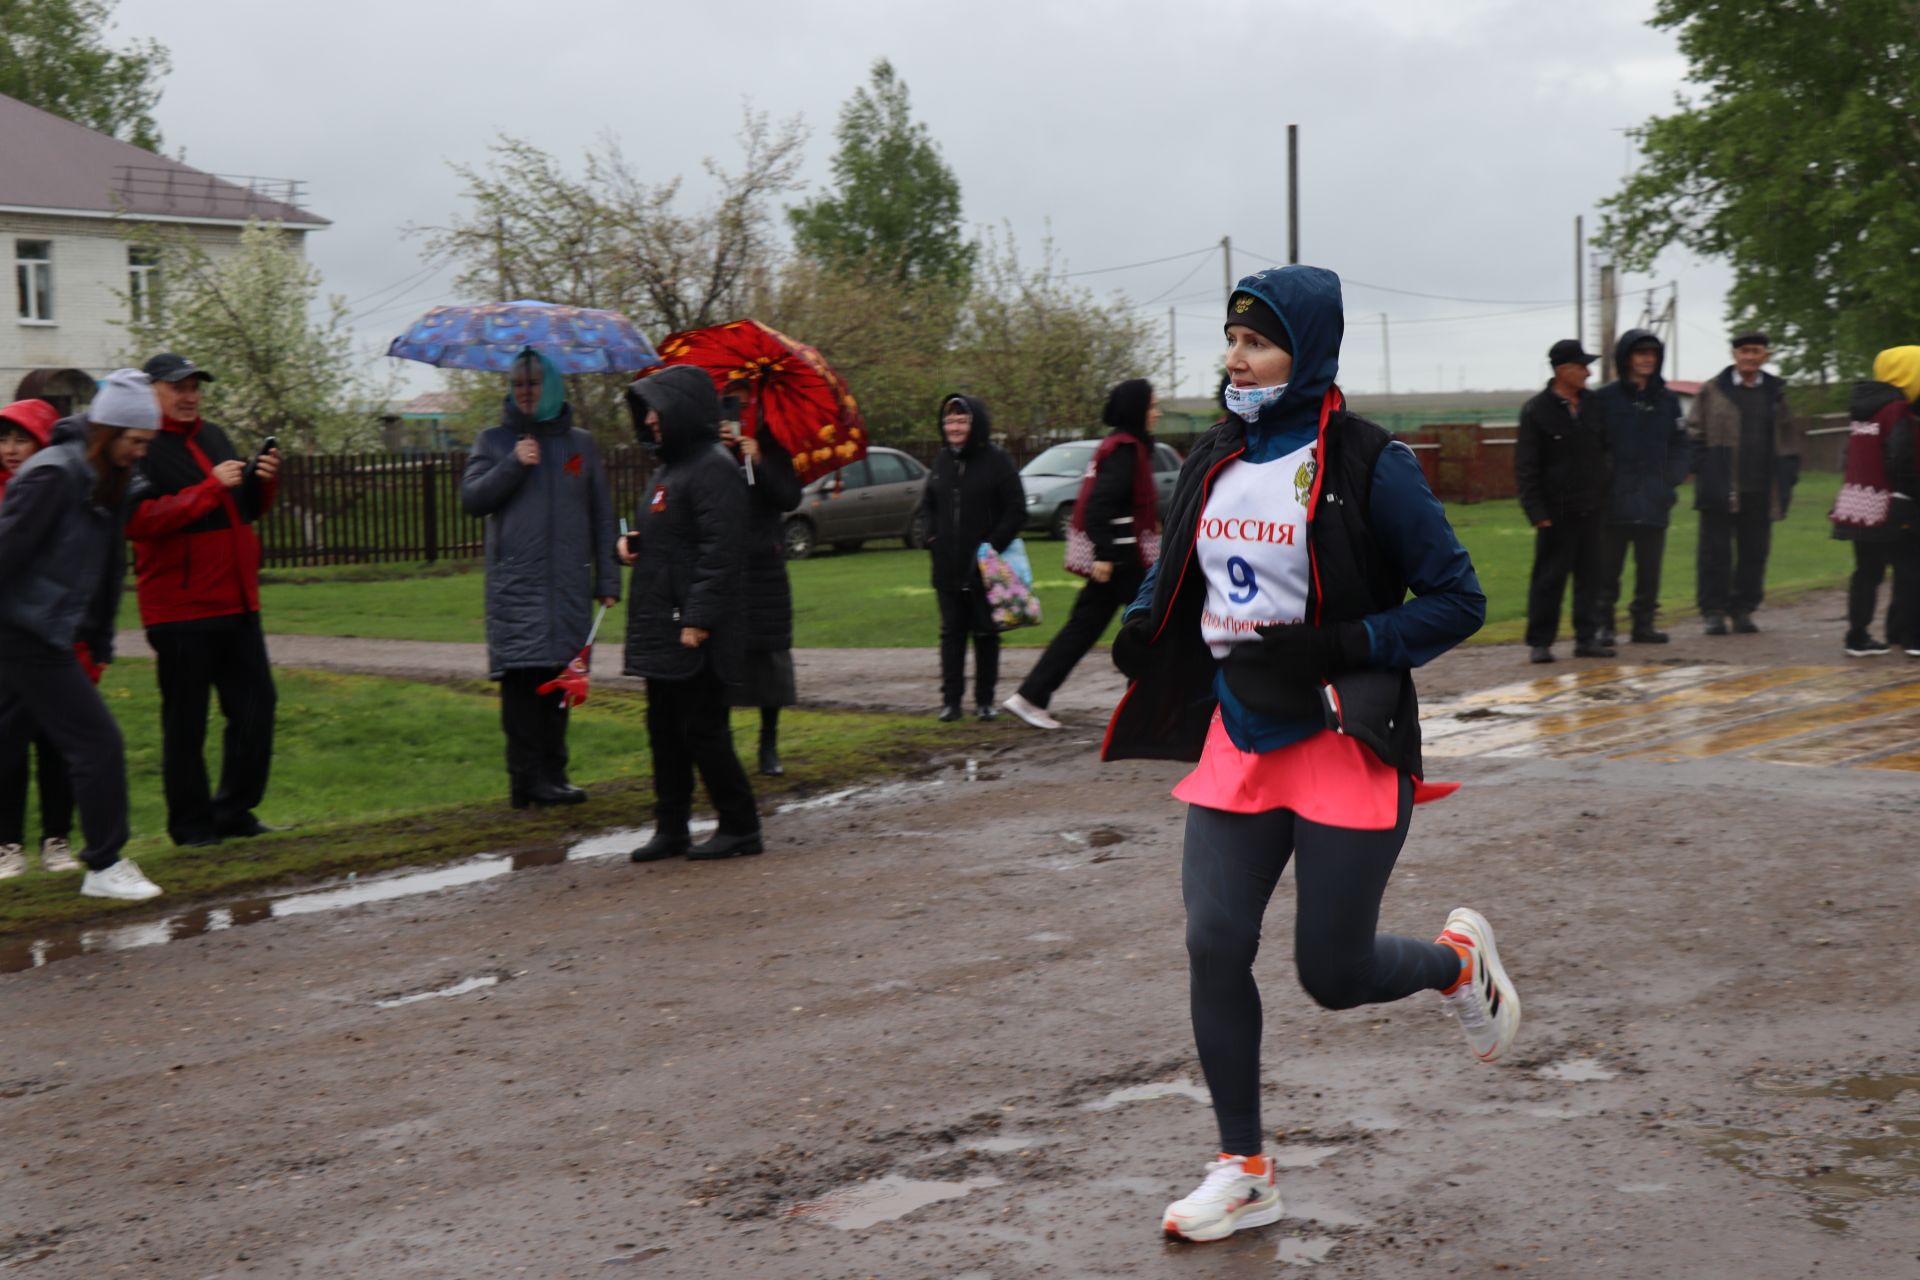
[(1293, 193), (1173, 360), (1386, 352), (1579, 285), (1609, 322), (1226, 255)]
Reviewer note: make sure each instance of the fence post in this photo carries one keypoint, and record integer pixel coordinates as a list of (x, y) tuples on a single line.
[(430, 509)]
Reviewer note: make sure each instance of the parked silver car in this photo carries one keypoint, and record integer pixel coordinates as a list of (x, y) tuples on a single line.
[(875, 497), (1052, 482)]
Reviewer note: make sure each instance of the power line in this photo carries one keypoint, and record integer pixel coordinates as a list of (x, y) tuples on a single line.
[(1176, 284), (1151, 262), (1436, 297)]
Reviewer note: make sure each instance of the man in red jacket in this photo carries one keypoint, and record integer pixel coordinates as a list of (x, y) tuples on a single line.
[(197, 561)]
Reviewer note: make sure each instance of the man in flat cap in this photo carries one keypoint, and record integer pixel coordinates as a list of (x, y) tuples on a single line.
[(1746, 460), (1560, 468)]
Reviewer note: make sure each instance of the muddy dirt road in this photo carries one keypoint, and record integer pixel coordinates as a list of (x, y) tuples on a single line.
[(968, 995)]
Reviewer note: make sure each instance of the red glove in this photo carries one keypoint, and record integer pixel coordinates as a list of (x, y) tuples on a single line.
[(93, 669)]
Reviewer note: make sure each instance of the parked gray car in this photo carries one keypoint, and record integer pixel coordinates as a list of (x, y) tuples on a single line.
[(1052, 481), (875, 497)]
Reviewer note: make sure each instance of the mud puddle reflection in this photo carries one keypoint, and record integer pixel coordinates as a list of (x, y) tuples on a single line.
[(32, 952), (884, 1199)]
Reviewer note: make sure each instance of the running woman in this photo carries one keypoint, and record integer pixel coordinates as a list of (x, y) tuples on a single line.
[(1273, 643)]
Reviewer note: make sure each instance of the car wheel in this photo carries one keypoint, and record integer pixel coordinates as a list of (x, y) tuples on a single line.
[(797, 535), (916, 536), (1063, 521), (847, 545)]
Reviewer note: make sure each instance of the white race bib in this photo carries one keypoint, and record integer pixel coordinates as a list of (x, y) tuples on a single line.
[(1252, 544)]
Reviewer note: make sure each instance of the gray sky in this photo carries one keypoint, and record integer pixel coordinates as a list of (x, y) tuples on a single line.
[(1445, 147)]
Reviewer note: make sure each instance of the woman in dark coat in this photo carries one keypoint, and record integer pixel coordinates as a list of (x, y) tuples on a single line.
[(1119, 514), (540, 482), (973, 496), (686, 632), (766, 677)]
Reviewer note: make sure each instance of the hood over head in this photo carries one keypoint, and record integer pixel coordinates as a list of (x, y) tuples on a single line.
[(1308, 303), (1624, 348), (982, 430), (1899, 367), (688, 406), (35, 417), (1127, 406)]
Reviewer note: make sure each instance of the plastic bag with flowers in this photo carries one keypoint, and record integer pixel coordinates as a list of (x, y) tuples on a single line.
[(1009, 580)]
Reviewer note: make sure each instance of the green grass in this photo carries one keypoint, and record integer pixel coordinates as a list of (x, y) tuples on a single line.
[(371, 772), (881, 598)]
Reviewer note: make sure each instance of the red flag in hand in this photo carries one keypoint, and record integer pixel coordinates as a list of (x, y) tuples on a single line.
[(572, 680)]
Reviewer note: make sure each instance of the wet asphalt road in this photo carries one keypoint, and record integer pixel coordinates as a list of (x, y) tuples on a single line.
[(970, 996)]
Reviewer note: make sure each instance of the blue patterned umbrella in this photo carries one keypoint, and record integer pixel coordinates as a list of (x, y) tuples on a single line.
[(489, 336)]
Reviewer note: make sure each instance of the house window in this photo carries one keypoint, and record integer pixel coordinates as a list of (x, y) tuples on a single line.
[(33, 273), (143, 282)]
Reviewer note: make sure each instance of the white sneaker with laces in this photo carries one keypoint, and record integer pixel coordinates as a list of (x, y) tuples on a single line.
[(57, 855), (122, 880), (1238, 1192), (1035, 716), (1484, 999), (13, 861)]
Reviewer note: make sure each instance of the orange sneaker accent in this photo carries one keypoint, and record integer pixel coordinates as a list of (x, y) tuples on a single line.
[(1465, 950), (1255, 1165)]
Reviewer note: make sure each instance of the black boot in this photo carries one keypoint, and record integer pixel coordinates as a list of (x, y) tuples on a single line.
[(722, 844), (1744, 625), (671, 839), (1716, 624), (770, 743), (546, 792)]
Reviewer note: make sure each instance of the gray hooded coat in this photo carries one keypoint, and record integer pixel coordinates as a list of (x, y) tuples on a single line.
[(550, 532)]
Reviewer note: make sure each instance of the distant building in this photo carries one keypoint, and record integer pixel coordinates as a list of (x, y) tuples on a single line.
[(419, 425), (64, 191)]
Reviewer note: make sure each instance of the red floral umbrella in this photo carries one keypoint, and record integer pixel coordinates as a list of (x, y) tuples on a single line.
[(785, 384)]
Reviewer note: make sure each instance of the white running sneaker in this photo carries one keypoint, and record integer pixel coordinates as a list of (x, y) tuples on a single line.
[(122, 880), (1484, 999), (57, 855), (1237, 1192), (13, 861), (1035, 716)]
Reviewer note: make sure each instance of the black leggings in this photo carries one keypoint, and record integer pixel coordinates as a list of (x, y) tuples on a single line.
[(1232, 863)]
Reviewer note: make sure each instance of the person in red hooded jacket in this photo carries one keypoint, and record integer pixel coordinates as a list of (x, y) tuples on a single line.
[(26, 426)]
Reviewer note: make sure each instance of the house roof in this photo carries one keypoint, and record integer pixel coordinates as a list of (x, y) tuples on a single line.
[(50, 163), (432, 404)]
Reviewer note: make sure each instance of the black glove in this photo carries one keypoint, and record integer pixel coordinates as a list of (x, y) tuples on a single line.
[(1280, 676), (1132, 646)]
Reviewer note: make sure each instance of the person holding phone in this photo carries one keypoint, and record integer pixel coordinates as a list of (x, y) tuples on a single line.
[(766, 676), (197, 564)]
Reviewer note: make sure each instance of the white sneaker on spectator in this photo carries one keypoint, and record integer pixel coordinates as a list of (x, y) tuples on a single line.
[(13, 861), (1035, 716), (122, 880), (57, 855)]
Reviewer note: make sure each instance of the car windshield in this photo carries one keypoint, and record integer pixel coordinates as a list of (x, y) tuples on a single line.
[(1061, 460)]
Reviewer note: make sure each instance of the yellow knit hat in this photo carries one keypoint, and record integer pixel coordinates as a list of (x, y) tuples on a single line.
[(1899, 367)]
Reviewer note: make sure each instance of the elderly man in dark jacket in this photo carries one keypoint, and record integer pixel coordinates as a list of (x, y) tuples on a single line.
[(973, 496), (1746, 460), (540, 482), (1647, 441), (1560, 466), (686, 630)]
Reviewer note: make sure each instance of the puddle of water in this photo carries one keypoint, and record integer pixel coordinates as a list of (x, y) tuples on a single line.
[(1839, 1175), (1181, 1088), (1301, 1157), (1576, 1071), (884, 1199), (457, 989), (886, 791), (1304, 1251), (1861, 1088)]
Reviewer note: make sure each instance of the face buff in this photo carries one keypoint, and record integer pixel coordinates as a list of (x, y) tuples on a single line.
[(1248, 402)]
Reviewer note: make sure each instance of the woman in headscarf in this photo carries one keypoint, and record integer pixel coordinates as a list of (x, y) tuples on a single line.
[(541, 484), (1273, 645), (1117, 516)]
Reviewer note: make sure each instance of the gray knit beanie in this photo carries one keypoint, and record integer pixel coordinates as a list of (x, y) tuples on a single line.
[(125, 399)]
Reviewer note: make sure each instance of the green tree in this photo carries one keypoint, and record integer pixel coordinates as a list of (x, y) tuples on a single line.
[(55, 59), (894, 211), (244, 314), (1796, 157)]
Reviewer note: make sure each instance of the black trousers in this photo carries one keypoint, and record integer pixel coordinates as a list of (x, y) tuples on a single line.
[(688, 730), (227, 656), (1733, 556), (45, 689), (1648, 544), (1871, 560), (1093, 609), (963, 614), (1570, 546), (1228, 872), (56, 789), (536, 727)]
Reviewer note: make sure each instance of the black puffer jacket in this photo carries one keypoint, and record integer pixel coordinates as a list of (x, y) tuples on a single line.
[(550, 532), (1646, 439), (692, 536), (62, 558), (773, 492), (1560, 458), (973, 496)]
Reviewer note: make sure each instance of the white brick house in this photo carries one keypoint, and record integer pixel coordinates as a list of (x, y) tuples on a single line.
[(65, 193)]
